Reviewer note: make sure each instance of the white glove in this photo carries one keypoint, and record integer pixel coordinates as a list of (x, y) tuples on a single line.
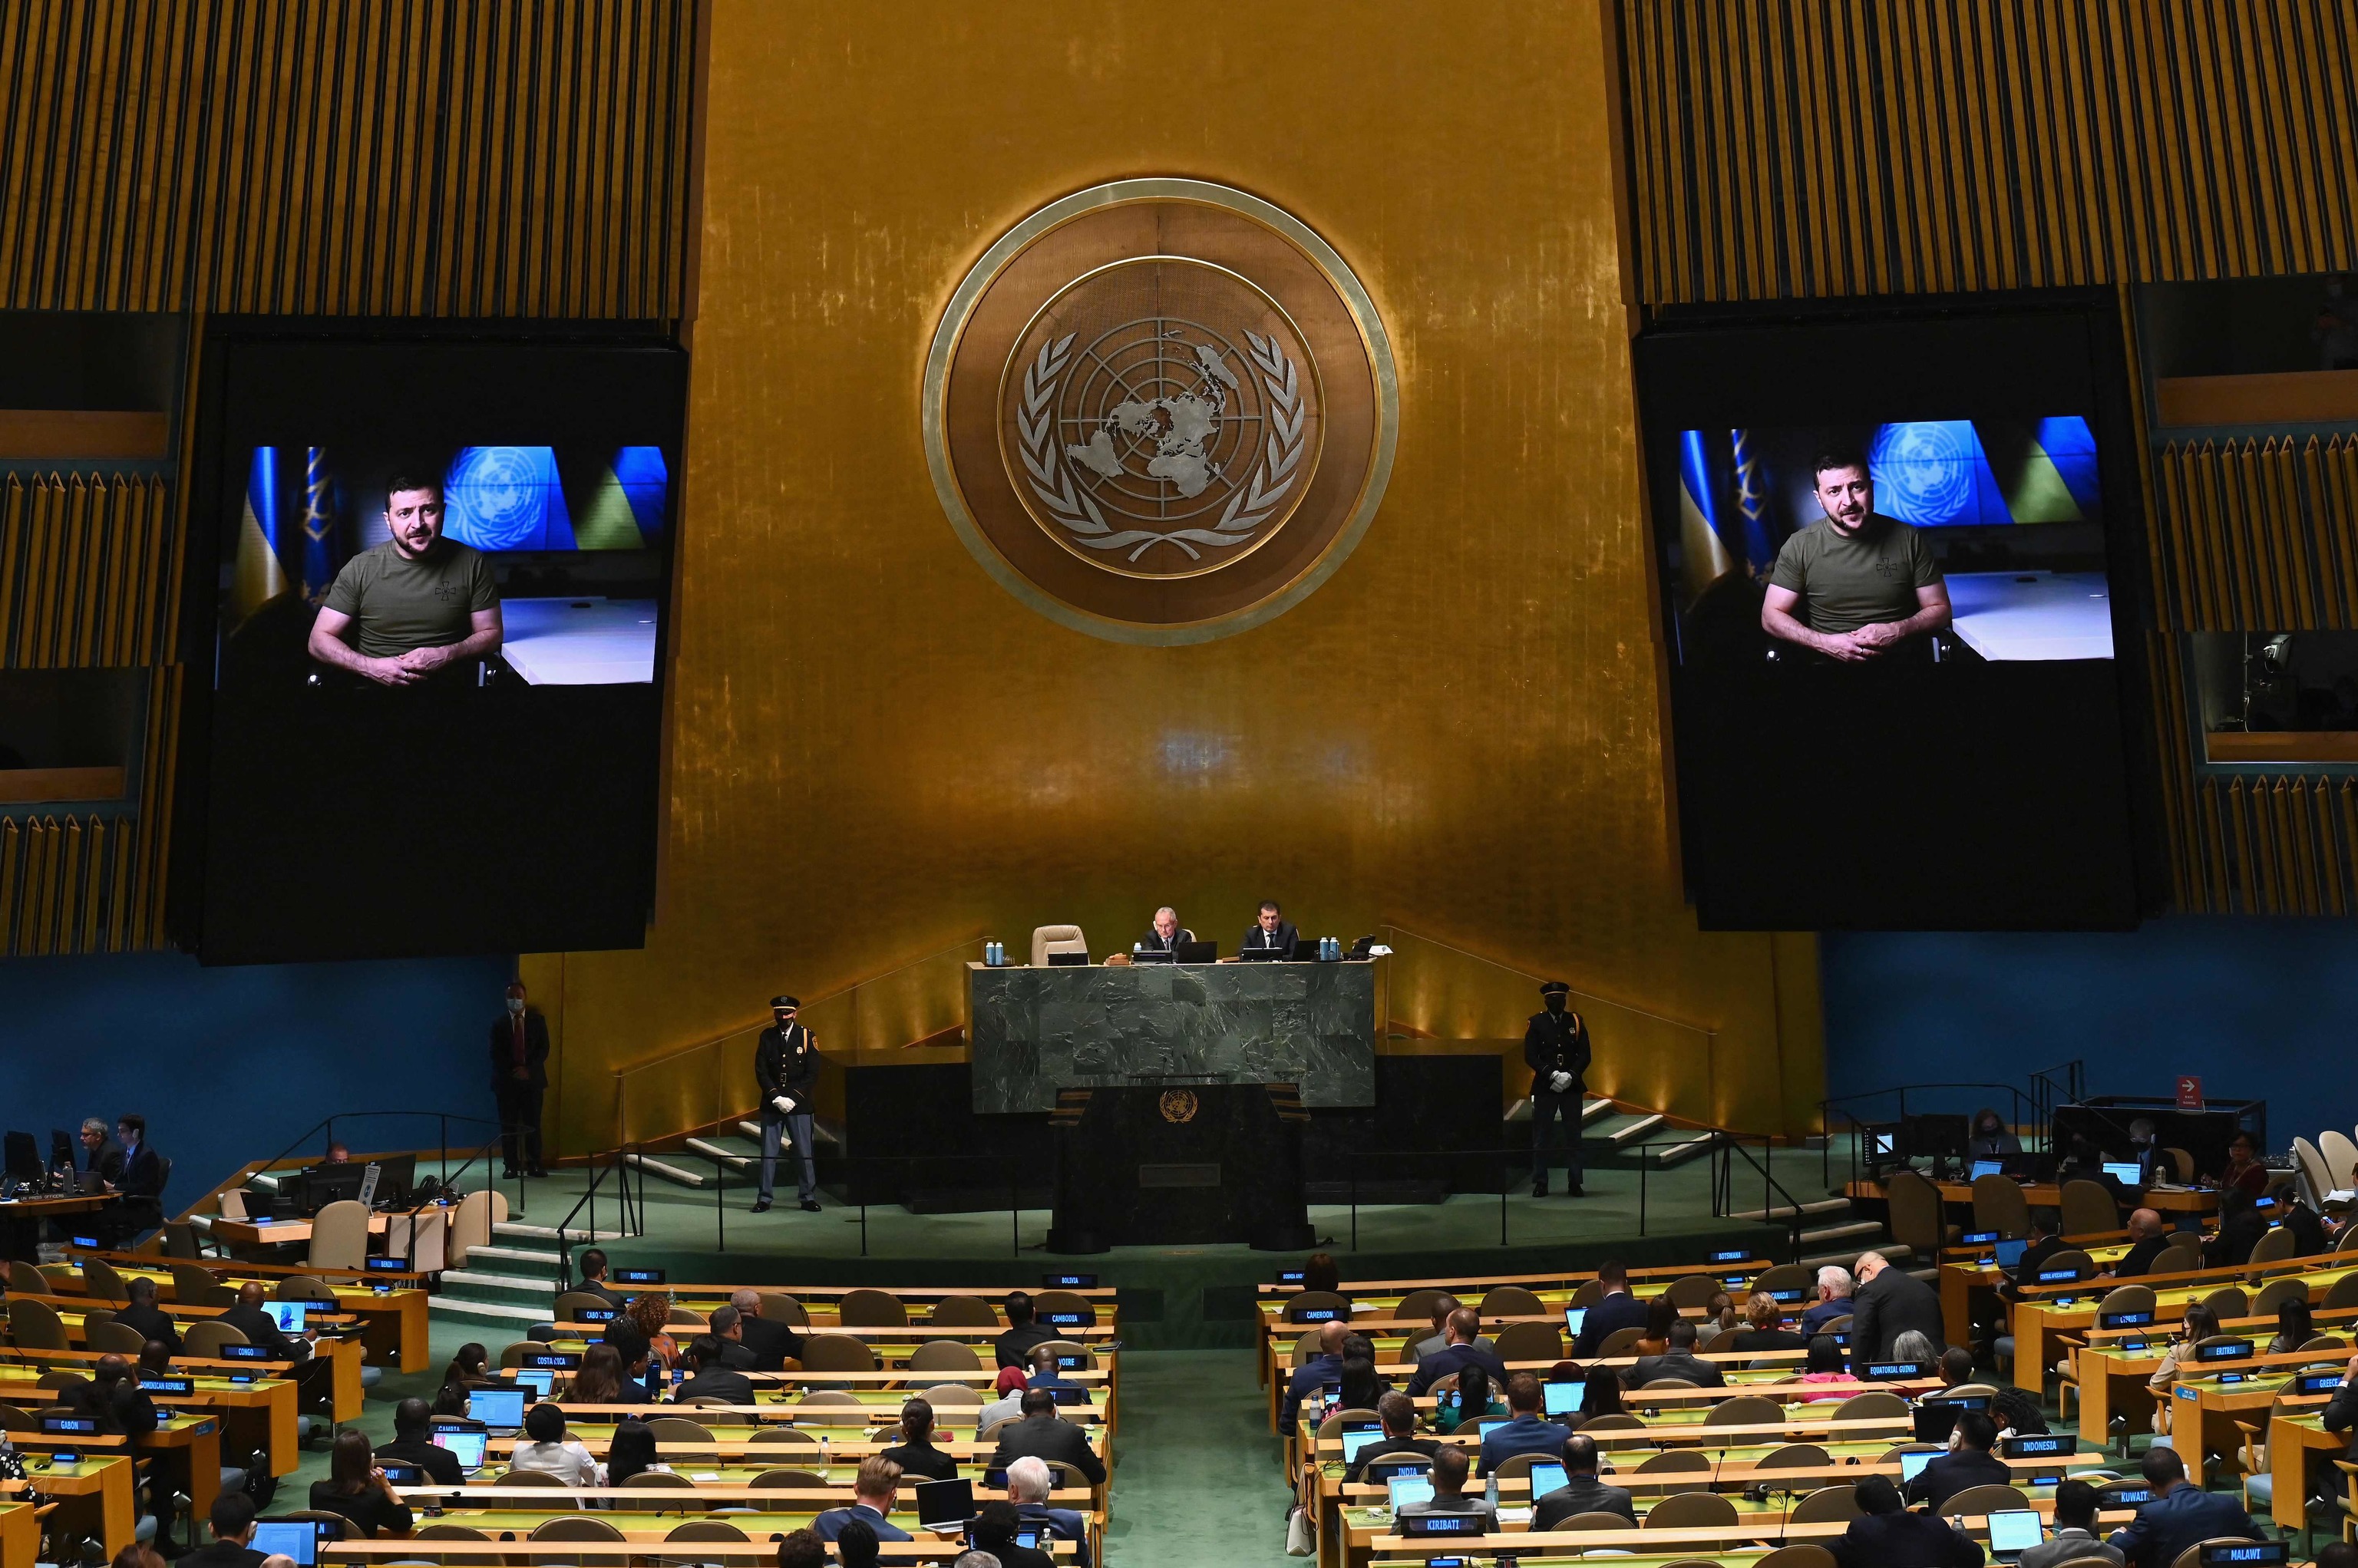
[(785, 1103), (1560, 1082)]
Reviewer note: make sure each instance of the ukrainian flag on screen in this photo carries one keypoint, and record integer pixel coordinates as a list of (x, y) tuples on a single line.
[(507, 498), (625, 511), (1942, 473)]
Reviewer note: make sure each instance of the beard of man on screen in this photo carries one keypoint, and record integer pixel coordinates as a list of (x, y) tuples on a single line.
[(1862, 584), (415, 604)]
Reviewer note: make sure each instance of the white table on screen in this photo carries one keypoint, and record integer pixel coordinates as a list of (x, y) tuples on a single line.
[(2033, 615), (580, 642)]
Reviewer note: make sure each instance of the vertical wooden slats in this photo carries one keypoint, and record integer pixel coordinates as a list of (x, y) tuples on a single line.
[(80, 560), (2259, 534), (515, 157)]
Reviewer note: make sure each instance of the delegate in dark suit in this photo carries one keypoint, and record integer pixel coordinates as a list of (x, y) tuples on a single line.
[(1451, 1359), (1043, 1435), (260, 1328), (717, 1382), (141, 1185), (1676, 1364), (1950, 1474), (149, 1320), (1888, 1306), (2177, 1519), (770, 1343), (519, 1077), (1384, 1447), (1886, 1540), (1155, 942), (1555, 1048), (1581, 1495), (1283, 938), (1618, 1311)]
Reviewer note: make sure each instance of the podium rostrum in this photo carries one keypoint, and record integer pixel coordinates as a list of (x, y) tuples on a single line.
[(1164, 1159)]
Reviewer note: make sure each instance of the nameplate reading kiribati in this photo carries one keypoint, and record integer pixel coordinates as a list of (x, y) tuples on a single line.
[(1160, 411)]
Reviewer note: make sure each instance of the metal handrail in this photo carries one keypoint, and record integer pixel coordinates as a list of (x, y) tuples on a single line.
[(443, 1120), (616, 1159), (1724, 1190)]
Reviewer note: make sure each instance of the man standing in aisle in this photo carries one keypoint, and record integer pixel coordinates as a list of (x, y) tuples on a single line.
[(1555, 1047), (519, 1077), (786, 1062)]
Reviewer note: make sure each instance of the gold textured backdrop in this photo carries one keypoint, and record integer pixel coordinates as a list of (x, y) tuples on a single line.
[(875, 752)]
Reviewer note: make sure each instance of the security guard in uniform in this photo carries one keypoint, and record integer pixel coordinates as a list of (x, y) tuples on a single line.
[(786, 1062), (1556, 1048)]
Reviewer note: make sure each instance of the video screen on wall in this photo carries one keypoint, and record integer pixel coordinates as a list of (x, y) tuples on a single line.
[(1889, 547), (436, 617)]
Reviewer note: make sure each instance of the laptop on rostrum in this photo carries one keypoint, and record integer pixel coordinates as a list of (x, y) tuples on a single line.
[(1198, 953)]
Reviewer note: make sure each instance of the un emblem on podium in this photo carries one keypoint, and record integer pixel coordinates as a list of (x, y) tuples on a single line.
[(1179, 1105), (1161, 411)]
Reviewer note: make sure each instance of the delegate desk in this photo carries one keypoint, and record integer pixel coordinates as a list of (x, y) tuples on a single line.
[(2049, 1195), (91, 1498), (2294, 1434), (391, 1310), (2048, 1313), (259, 1414), (1037, 1031), (344, 1354), (21, 1220)]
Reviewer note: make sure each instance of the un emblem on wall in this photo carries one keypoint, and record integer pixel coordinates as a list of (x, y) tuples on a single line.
[(1160, 411)]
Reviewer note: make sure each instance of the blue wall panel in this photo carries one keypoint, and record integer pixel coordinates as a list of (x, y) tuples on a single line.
[(2263, 1009), (229, 1065)]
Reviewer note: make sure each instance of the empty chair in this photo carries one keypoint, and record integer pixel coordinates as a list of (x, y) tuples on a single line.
[(1917, 1218), (836, 1353), (1047, 939), (1512, 1468), (678, 1429), (1780, 1277), (788, 1481), (1999, 1205), (2341, 1158), (339, 1235), (684, 1318), (1745, 1410), (1725, 1339), (2275, 1292), (180, 1240), (833, 1406), (962, 1312), (2182, 1255), (1596, 1522), (1794, 1456), (1984, 1499), (1618, 1342), (784, 1437), (779, 1307), (35, 1325), (1511, 1301), (2088, 1208), (1417, 1305), (658, 1480), (471, 1226), (191, 1279), (955, 1396), (14, 1418), (872, 1308), (2274, 1247), (1587, 1294), (573, 1527), (1827, 1505), (422, 1241), (1691, 1291), (2181, 1166), (1624, 1422), (523, 1477), (705, 1529), (2314, 1168), (2075, 1259), (2228, 1302), (1876, 1404), (2125, 1298), (944, 1356), (26, 1279), (100, 1282), (304, 1288), (1673, 1383), (1671, 1460), (112, 1337), (2325, 1342), (1529, 1342), (2343, 1292), (1690, 1510), (1800, 1554)]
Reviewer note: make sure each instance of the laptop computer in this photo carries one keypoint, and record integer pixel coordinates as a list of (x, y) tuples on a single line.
[(2125, 1171), (1573, 1318), (1264, 955), (2014, 1532), (1563, 1398), (1546, 1477), (1410, 1488), (1935, 1421), (1981, 1168), (295, 1538), (1912, 1465), (945, 1505), (465, 1444), (1356, 1439), (1198, 952), (1068, 960), (287, 1315), (539, 1380), (500, 1409)]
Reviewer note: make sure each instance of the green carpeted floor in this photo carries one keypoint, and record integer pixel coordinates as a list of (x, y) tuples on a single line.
[(1197, 1478)]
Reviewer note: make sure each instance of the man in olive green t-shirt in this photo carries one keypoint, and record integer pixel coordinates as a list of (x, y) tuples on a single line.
[(1864, 583), (414, 604)]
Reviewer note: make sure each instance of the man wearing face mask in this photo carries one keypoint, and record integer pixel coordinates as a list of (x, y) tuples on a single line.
[(786, 1063), (1555, 1048), (519, 1075)]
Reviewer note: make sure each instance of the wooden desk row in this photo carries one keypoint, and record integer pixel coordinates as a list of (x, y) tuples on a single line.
[(392, 1313)]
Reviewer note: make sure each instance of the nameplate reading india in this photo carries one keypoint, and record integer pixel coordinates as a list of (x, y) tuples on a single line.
[(1035, 1030)]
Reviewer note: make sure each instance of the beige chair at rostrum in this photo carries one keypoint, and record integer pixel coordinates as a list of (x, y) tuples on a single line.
[(963, 1312), (421, 1240), (471, 1226), (340, 1234), (1047, 939), (2088, 1208), (1999, 1205), (2311, 1162)]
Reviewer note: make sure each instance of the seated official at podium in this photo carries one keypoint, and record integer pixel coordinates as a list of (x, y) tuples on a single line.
[(1271, 930), (1167, 934)]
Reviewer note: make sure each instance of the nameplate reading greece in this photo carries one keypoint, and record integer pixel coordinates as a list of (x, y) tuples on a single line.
[(1160, 411)]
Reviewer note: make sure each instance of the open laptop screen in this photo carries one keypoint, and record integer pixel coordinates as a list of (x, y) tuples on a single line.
[(497, 1407), (2014, 1532), (465, 1445)]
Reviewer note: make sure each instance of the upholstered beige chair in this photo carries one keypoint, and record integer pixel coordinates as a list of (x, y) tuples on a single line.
[(1047, 939)]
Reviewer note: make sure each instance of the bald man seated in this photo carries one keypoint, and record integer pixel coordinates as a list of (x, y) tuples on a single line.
[(2148, 1237)]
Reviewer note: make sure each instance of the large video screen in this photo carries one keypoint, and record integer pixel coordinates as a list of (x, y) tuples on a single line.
[(1891, 546), (436, 637)]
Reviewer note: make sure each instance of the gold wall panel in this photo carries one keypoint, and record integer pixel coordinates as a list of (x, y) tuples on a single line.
[(1784, 148), (85, 569), (2260, 533), (875, 752), (471, 158)]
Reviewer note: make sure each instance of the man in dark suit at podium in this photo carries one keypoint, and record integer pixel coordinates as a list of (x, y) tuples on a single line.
[(1271, 930), (1167, 933)]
